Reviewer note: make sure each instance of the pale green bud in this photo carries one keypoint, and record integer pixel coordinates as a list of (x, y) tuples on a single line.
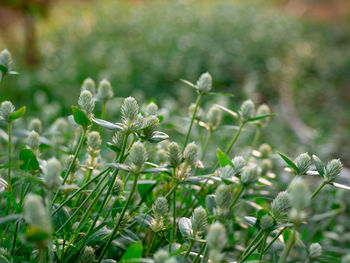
[(105, 91), (345, 259), (35, 125), (265, 150), (299, 194), (161, 256), (263, 110), (191, 153), (151, 109), (117, 187), (185, 227), (60, 126), (199, 220), (239, 162), (247, 110), (303, 162), (333, 169), (250, 174), (204, 83), (223, 196), (160, 207), (227, 172), (36, 214), (68, 160), (6, 59), (86, 102), (171, 260), (6, 109), (93, 143), (266, 165), (217, 238), (89, 85), (315, 250), (137, 156), (33, 140), (129, 109), (118, 139), (52, 173), (214, 117), (174, 154), (150, 124), (88, 255), (280, 204), (266, 222)]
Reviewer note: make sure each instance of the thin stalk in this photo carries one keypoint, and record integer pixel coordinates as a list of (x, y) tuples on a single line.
[(262, 247), (205, 254), (9, 186), (174, 214), (131, 194), (103, 112), (238, 195), (192, 119), (288, 247), (189, 249), (210, 135), (257, 136), (274, 239), (235, 138), (258, 235), (199, 253), (256, 245), (318, 189), (80, 144)]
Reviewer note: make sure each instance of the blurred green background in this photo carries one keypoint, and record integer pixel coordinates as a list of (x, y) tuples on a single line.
[(292, 55)]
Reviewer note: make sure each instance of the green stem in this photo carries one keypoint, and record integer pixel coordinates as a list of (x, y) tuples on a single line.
[(207, 144), (120, 218), (257, 136), (318, 189), (9, 187), (192, 120), (256, 245), (262, 248), (174, 214), (80, 144), (189, 249), (238, 195), (288, 247), (257, 237), (274, 239), (199, 253), (235, 138)]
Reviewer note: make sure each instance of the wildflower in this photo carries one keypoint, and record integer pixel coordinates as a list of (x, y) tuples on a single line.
[(315, 250), (174, 154), (239, 162), (204, 83), (86, 102), (89, 85), (216, 238), (94, 143), (265, 150), (160, 207), (303, 162), (247, 110), (333, 169), (51, 174), (191, 153), (299, 194), (185, 227), (35, 125), (266, 222), (104, 90), (6, 58), (33, 140), (161, 256), (199, 220), (137, 157), (280, 204), (129, 109), (249, 174), (223, 196), (151, 109), (214, 117), (6, 109), (117, 187)]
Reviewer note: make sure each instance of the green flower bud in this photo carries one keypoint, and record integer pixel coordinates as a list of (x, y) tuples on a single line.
[(35, 125), (185, 227), (280, 204), (333, 169), (33, 140), (6, 109), (227, 172), (89, 85), (6, 59), (105, 91), (249, 174), (86, 102), (239, 162), (137, 157), (191, 153), (214, 117), (150, 124), (247, 110), (60, 126), (315, 250), (299, 194), (161, 256), (52, 173), (68, 160), (263, 110), (93, 143), (266, 222), (204, 83), (199, 221), (117, 187), (265, 150), (129, 109), (160, 207), (303, 162), (345, 259), (223, 196), (174, 154), (151, 109), (118, 139), (36, 214), (88, 255), (217, 238)]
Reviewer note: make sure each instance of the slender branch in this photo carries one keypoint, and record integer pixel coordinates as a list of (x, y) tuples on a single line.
[(192, 119), (9, 187), (288, 247), (318, 189)]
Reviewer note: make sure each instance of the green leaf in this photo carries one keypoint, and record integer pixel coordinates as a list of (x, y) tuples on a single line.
[(15, 73), (133, 252), (286, 234), (18, 113), (29, 161), (80, 117), (290, 163), (3, 69), (158, 136), (223, 158), (318, 164), (189, 84), (113, 147), (107, 124), (261, 117)]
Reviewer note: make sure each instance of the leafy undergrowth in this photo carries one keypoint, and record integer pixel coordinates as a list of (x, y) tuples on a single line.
[(88, 189)]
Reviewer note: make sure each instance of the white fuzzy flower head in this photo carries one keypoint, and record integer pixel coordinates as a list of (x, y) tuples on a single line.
[(204, 83), (6, 59), (223, 196), (118, 187), (315, 250), (86, 102), (199, 221), (33, 140), (105, 90), (151, 109), (280, 204), (52, 173), (160, 207), (174, 154), (333, 169), (161, 256), (35, 125), (250, 174), (6, 109), (191, 153), (89, 85), (214, 117), (303, 162), (247, 110), (216, 238), (299, 194), (137, 157), (239, 162), (35, 213), (129, 109)]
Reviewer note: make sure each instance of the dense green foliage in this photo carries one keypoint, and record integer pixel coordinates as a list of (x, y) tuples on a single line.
[(93, 187)]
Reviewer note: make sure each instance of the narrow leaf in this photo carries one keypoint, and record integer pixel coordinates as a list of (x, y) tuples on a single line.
[(223, 158), (107, 124), (234, 114), (318, 164), (261, 117), (18, 113), (289, 162)]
